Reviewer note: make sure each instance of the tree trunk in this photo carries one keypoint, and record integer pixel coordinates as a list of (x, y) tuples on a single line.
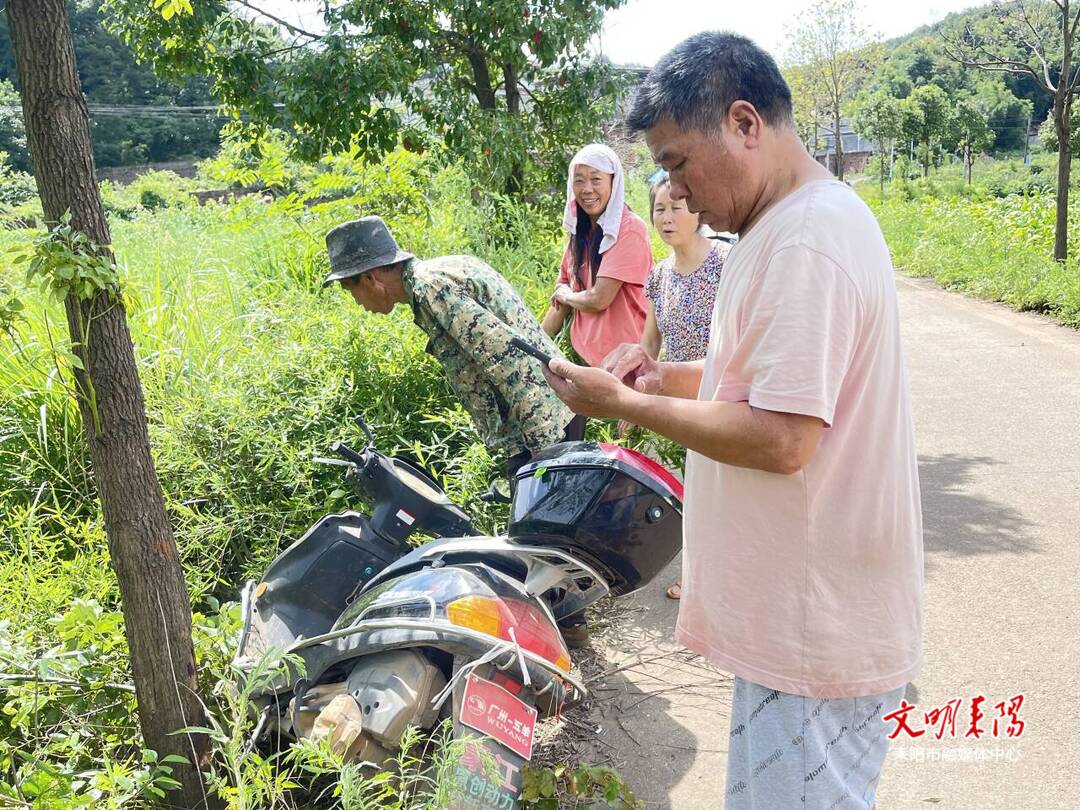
[(838, 142), (485, 93), (968, 160), (515, 181), (1061, 125), (1063, 99), (157, 612)]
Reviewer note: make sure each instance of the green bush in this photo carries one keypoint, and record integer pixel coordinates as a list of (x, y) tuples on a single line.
[(147, 192), (15, 187), (264, 162), (249, 368), (996, 248)]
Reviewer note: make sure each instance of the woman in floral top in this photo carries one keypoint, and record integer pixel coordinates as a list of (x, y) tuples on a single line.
[(681, 289)]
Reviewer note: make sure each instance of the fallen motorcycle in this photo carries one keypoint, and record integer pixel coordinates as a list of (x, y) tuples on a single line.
[(463, 626)]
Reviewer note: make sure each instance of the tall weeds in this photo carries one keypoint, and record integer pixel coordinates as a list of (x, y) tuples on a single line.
[(249, 369), (999, 249)]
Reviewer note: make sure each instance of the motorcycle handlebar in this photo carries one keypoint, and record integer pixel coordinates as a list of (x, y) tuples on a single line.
[(493, 495), (348, 453)]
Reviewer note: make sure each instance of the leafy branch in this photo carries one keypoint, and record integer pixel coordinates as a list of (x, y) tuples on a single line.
[(551, 788), (65, 261)]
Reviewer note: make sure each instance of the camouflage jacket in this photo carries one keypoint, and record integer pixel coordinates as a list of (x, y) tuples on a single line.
[(470, 312)]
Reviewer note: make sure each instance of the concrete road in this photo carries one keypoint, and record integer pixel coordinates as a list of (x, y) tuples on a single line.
[(997, 409)]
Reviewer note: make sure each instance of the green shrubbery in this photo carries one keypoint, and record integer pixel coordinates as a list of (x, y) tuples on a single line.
[(16, 187), (990, 178), (249, 369), (147, 192), (995, 248)]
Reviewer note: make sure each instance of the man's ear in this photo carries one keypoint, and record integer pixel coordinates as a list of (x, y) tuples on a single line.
[(746, 122)]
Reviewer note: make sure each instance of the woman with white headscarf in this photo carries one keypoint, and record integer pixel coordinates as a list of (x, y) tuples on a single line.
[(606, 261)]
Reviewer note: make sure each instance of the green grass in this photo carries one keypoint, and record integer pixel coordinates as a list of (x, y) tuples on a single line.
[(999, 249), (249, 368)]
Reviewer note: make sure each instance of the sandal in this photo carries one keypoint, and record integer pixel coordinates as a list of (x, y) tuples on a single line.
[(675, 591)]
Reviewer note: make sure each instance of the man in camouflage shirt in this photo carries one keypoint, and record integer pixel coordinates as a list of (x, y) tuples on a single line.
[(469, 312)]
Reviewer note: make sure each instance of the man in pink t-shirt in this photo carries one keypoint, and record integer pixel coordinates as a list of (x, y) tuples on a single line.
[(803, 566)]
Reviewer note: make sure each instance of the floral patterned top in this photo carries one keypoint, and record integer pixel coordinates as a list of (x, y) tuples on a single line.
[(684, 304)]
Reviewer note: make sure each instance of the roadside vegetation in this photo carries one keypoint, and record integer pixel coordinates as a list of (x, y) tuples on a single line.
[(249, 369), (992, 239)]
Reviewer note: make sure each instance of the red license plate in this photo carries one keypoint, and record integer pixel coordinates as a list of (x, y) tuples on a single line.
[(493, 711)]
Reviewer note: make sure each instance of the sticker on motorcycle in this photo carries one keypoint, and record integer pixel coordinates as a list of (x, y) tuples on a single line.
[(405, 517), (491, 710)]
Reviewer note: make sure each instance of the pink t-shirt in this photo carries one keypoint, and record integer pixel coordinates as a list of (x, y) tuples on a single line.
[(810, 583), (594, 334)]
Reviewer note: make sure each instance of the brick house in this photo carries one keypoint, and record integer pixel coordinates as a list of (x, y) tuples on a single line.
[(857, 149)]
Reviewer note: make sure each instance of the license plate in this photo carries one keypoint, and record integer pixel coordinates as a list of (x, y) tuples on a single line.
[(491, 710)]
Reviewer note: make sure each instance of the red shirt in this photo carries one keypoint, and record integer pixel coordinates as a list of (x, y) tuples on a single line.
[(595, 334)]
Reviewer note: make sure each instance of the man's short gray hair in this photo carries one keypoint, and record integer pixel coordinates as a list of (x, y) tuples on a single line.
[(696, 82)]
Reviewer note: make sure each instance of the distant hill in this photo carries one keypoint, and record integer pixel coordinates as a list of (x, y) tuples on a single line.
[(921, 53), (113, 83)]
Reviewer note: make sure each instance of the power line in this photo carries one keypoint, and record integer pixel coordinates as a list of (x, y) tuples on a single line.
[(132, 108), (195, 112)]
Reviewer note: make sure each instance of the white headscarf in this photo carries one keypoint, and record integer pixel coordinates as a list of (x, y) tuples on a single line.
[(601, 158)]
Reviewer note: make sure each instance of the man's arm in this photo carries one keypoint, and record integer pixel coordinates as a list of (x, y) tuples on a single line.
[(731, 432), (485, 339), (728, 432), (681, 380)]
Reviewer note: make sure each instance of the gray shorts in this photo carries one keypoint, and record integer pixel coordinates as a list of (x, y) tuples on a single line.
[(789, 751)]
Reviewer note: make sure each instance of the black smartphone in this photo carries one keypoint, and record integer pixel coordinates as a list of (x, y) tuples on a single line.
[(528, 348)]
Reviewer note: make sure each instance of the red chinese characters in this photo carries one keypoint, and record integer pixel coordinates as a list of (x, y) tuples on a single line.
[(493, 711), (941, 720)]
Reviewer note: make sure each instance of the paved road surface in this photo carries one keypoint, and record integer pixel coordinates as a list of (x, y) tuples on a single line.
[(997, 411)]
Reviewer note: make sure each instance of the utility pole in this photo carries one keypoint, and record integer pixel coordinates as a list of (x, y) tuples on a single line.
[(1027, 141)]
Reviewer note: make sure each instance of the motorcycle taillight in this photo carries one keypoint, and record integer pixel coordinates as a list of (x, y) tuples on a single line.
[(644, 464), (512, 620)]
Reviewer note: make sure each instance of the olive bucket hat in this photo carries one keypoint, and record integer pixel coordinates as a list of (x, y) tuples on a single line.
[(361, 245)]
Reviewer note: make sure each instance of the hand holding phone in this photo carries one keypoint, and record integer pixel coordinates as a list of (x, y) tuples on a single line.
[(528, 348)]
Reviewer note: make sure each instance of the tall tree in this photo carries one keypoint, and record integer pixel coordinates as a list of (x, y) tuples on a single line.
[(1007, 115), (880, 118), (1048, 133), (969, 131), (508, 86), (157, 613), (1037, 39), (926, 120), (837, 51), (807, 105)]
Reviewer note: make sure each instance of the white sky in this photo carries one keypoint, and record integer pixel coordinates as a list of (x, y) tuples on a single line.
[(644, 30)]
